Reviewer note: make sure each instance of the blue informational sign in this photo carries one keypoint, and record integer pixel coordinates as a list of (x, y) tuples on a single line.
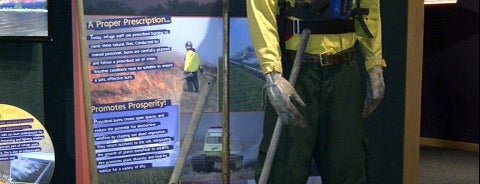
[(135, 135)]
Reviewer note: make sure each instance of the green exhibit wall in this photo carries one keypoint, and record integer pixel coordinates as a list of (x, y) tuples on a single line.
[(21, 77), (37, 77)]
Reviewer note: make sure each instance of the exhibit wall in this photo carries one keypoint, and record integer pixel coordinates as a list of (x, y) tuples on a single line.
[(27, 154), (114, 47), (55, 101), (26, 149)]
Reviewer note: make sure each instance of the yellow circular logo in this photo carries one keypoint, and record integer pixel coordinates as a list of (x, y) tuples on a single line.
[(26, 150)]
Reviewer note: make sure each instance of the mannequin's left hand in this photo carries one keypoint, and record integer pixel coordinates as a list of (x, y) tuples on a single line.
[(375, 90)]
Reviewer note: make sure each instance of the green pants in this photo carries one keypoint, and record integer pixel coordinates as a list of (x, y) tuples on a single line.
[(335, 138)]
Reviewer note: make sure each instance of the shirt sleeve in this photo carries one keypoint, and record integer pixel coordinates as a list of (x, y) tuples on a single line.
[(371, 47), (188, 62), (262, 22)]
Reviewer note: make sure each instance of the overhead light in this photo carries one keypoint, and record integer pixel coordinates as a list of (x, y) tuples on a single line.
[(440, 1)]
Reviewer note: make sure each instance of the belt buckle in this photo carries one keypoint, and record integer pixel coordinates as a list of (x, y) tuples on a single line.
[(322, 61), (296, 26)]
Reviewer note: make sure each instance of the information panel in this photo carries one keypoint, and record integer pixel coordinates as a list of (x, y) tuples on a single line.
[(135, 92), (26, 150), (135, 135), (143, 95)]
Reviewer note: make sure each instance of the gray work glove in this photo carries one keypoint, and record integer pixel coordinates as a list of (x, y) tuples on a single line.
[(281, 93), (188, 75), (375, 90)]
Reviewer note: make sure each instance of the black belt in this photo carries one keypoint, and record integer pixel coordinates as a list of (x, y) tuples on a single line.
[(319, 27), (329, 59)]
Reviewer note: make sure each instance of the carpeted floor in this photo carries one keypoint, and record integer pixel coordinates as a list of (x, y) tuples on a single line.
[(446, 166), (442, 166)]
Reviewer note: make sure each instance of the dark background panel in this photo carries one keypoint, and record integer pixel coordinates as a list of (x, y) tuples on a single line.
[(58, 85), (385, 125), (450, 72)]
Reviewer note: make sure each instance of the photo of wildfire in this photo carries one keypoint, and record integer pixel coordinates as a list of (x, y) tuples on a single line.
[(168, 83)]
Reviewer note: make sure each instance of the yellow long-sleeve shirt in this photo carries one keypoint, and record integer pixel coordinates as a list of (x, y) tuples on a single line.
[(192, 61), (263, 28)]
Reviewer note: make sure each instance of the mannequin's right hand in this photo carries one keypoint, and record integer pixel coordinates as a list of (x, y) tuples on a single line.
[(281, 94)]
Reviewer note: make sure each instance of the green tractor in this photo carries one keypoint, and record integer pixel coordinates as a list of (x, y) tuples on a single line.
[(211, 159)]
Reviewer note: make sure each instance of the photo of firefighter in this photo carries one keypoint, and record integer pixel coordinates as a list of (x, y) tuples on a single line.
[(192, 67)]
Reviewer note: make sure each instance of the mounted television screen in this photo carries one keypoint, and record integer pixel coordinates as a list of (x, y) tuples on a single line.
[(25, 20)]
